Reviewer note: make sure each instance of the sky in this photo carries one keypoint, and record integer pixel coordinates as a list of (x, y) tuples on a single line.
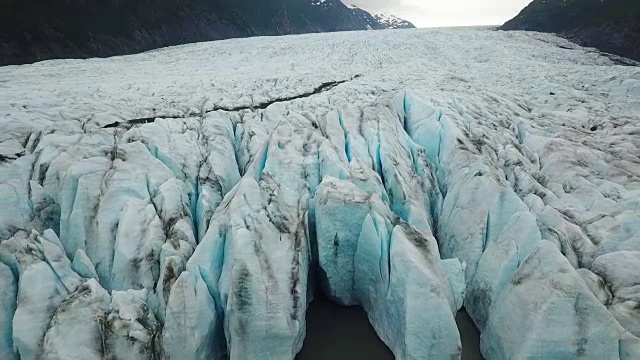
[(434, 13)]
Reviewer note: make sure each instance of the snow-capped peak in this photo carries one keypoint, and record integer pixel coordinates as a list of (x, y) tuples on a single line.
[(380, 21), (325, 3), (392, 22)]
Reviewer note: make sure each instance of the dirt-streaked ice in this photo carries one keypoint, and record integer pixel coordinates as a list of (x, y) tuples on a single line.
[(180, 203)]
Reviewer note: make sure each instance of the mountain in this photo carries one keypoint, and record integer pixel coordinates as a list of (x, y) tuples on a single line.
[(33, 30), (393, 22), (380, 21), (610, 25), (370, 22), (190, 202)]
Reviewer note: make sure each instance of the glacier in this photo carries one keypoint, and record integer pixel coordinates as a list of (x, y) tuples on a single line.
[(189, 202)]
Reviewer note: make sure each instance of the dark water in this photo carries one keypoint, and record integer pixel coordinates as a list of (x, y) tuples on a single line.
[(340, 333), (344, 333), (469, 335)]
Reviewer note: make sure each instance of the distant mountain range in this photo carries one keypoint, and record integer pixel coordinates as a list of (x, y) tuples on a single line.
[(34, 30), (612, 26)]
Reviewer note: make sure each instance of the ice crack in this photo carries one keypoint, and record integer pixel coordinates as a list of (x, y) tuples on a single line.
[(326, 86)]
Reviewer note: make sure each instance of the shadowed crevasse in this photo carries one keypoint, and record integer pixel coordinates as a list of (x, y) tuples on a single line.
[(344, 332), (320, 89), (340, 333)]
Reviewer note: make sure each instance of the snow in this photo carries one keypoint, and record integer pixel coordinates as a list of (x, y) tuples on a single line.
[(182, 203)]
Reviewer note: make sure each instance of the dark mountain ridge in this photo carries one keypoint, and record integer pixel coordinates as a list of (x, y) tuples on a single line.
[(34, 30), (612, 26)]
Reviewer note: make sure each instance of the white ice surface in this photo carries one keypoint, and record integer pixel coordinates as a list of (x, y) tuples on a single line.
[(179, 203)]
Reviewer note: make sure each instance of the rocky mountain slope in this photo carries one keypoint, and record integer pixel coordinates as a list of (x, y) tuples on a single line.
[(611, 25), (32, 30), (182, 203)]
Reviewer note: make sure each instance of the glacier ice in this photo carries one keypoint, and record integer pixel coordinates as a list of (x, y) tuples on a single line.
[(616, 274), (75, 331), (370, 257), (45, 280), (9, 288), (190, 320), (138, 219), (555, 299), (83, 266)]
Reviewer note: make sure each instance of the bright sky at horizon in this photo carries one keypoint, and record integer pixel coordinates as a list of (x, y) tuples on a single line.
[(434, 13)]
